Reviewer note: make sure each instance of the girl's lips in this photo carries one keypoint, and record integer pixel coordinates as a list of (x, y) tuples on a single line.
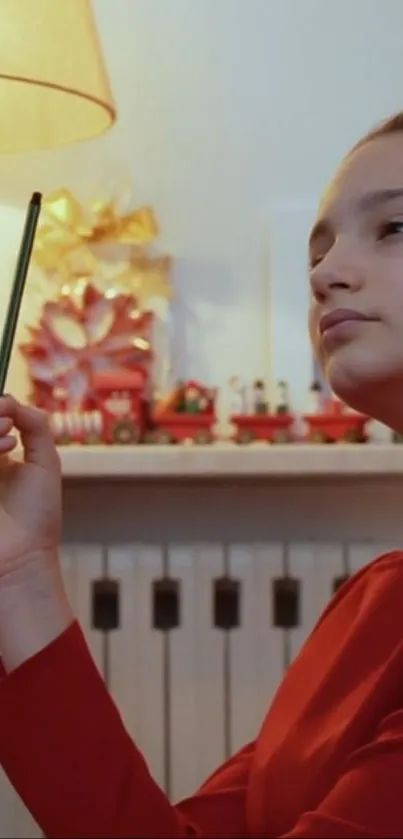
[(338, 316)]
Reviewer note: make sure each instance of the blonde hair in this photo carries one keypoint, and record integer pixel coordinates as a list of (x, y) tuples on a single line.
[(391, 125)]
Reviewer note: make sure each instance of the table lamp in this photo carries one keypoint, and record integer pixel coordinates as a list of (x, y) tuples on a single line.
[(54, 88)]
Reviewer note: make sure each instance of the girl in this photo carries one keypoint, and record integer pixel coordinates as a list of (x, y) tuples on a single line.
[(328, 761)]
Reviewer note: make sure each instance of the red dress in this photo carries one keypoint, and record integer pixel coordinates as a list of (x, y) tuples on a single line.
[(328, 761)]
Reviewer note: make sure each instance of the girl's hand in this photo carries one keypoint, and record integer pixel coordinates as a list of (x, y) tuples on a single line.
[(34, 608)]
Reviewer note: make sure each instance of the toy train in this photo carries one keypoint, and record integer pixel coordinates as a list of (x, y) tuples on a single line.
[(117, 411)]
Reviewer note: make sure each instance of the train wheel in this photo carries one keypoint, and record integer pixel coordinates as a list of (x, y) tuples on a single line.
[(93, 439), (352, 436), (162, 437), (125, 432), (245, 437), (203, 438), (280, 438), (318, 437), (64, 440)]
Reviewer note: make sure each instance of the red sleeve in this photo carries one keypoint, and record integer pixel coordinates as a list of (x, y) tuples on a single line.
[(367, 800), (65, 749)]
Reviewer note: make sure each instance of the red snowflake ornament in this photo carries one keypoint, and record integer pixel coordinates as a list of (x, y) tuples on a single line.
[(75, 341)]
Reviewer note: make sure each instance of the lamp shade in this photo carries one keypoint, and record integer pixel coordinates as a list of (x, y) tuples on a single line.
[(54, 88)]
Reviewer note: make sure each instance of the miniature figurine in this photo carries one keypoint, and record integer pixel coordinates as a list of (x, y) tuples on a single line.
[(315, 399), (204, 402), (236, 396), (249, 399), (192, 398), (282, 400), (209, 399), (177, 398), (260, 403)]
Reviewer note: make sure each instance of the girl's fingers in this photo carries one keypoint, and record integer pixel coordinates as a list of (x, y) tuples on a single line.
[(7, 443), (36, 437), (6, 425)]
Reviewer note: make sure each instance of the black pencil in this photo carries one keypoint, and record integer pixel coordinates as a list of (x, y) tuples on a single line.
[(21, 271)]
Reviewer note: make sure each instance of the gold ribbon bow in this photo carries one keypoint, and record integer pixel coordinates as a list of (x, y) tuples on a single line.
[(67, 227)]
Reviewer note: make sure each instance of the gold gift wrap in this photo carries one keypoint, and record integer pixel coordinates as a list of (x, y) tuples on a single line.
[(67, 226), (68, 240)]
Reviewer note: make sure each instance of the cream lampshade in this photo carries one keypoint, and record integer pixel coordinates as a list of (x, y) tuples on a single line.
[(54, 88)]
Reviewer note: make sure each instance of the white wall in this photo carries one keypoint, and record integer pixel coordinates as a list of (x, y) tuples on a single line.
[(232, 115)]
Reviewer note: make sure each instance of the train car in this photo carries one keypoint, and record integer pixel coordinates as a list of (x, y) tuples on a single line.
[(188, 415), (269, 428), (336, 428), (335, 423)]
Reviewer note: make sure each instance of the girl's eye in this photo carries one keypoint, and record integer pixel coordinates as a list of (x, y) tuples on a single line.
[(392, 228)]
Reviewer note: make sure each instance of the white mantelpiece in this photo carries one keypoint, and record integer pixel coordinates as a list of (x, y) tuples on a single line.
[(231, 461)]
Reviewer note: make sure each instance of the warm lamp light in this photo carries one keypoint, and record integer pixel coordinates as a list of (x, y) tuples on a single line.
[(54, 88)]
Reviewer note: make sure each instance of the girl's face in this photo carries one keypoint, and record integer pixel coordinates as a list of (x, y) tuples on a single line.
[(356, 265)]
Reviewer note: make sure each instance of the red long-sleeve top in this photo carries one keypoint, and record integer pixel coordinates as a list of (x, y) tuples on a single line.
[(328, 761)]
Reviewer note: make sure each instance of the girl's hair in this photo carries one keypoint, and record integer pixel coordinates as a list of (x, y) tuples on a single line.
[(391, 125)]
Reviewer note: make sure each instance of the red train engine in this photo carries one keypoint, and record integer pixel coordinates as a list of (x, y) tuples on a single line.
[(115, 411), (120, 398)]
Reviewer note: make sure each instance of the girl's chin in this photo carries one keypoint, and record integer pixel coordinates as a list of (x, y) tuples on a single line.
[(366, 385)]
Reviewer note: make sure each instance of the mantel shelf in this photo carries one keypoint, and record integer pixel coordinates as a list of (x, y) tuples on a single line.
[(220, 461)]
